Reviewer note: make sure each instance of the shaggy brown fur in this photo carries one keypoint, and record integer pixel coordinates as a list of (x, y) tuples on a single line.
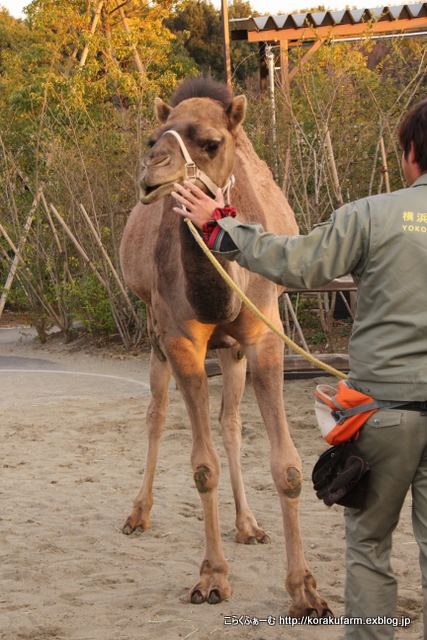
[(202, 87)]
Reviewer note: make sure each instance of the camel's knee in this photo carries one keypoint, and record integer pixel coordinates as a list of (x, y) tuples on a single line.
[(231, 431), (206, 478), (156, 415), (288, 481), (159, 397), (155, 419)]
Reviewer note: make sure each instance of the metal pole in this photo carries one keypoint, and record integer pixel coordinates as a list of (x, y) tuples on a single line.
[(226, 41), (270, 64)]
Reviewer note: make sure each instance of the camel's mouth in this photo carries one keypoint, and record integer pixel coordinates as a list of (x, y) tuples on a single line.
[(148, 194)]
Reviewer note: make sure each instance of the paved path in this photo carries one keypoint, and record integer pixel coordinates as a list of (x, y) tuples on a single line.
[(30, 372)]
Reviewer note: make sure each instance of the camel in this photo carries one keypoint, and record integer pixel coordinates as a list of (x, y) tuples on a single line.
[(190, 309)]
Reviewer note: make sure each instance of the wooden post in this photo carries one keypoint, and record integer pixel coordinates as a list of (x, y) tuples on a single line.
[(35, 287), (286, 173), (78, 245), (271, 91), (18, 251), (347, 306), (284, 65), (385, 165), (110, 264), (263, 69), (71, 62), (92, 31), (318, 43), (287, 324), (336, 182), (67, 272), (295, 320), (226, 41), (127, 28), (6, 258)]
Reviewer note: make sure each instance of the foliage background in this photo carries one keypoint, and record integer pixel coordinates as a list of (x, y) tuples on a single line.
[(72, 135)]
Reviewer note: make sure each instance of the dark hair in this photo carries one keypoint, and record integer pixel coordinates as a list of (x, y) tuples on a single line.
[(414, 129), (202, 87)]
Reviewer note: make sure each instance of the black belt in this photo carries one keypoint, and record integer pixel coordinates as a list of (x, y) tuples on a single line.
[(414, 406)]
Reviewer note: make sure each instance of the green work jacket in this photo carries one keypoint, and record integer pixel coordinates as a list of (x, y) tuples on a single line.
[(382, 242)]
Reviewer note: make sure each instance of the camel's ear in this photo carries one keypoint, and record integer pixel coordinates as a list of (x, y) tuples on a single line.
[(236, 112), (161, 109)]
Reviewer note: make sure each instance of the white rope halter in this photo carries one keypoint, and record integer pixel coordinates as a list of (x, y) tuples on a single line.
[(192, 172)]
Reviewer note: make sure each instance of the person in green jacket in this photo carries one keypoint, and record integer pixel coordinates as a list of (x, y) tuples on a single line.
[(382, 241)]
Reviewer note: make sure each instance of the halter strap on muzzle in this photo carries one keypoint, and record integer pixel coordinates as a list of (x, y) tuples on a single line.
[(193, 173)]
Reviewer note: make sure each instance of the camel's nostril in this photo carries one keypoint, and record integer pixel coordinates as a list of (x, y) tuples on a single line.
[(158, 161)]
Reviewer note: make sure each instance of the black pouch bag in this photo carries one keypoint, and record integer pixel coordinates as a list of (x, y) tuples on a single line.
[(341, 476)]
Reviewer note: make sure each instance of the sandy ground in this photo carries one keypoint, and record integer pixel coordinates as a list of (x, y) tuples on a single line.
[(72, 454)]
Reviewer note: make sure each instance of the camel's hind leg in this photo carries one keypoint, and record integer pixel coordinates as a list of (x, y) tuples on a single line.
[(265, 356), (233, 365), (160, 375)]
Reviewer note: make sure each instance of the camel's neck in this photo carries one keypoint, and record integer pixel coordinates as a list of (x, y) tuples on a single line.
[(209, 295), (180, 260), (256, 196)]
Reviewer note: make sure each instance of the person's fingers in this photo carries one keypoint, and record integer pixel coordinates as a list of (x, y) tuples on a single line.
[(196, 196), (184, 214), (195, 190), (177, 196), (181, 201), (199, 205), (186, 194)]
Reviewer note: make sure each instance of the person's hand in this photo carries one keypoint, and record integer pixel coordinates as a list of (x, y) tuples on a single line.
[(199, 206)]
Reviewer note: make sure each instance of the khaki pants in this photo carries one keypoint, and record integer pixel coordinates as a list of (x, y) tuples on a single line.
[(394, 443)]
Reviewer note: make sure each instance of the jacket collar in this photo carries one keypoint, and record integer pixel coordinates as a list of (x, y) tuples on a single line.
[(422, 180)]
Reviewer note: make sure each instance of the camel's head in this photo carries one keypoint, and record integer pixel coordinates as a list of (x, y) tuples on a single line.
[(206, 117)]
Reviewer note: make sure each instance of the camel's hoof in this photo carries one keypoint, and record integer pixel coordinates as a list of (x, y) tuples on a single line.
[(320, 611), (127, 529), (214, 597), (197, 597), (311, 612), (253, 540)]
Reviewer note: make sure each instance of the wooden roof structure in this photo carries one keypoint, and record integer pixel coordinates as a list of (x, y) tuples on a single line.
[(297, 29)]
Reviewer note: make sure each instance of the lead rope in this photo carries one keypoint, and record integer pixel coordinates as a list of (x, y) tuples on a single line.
[(256, 311)]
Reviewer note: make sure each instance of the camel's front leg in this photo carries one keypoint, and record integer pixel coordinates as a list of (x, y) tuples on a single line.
[(188, 368), (160, 375), (233, 365), (266, 365)]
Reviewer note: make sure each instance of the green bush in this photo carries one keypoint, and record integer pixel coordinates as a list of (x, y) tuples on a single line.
[(91, 306)]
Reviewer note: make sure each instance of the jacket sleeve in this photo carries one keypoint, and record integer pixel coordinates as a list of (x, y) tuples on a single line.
[(333, 249)]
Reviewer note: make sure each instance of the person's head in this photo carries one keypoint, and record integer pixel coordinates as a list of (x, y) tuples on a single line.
[(413, 140)]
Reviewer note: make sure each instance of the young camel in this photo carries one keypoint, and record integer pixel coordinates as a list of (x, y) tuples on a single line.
[(190, 309)]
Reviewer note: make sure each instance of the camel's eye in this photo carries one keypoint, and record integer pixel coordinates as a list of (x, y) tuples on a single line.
[(211, 146), (151, 142)]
